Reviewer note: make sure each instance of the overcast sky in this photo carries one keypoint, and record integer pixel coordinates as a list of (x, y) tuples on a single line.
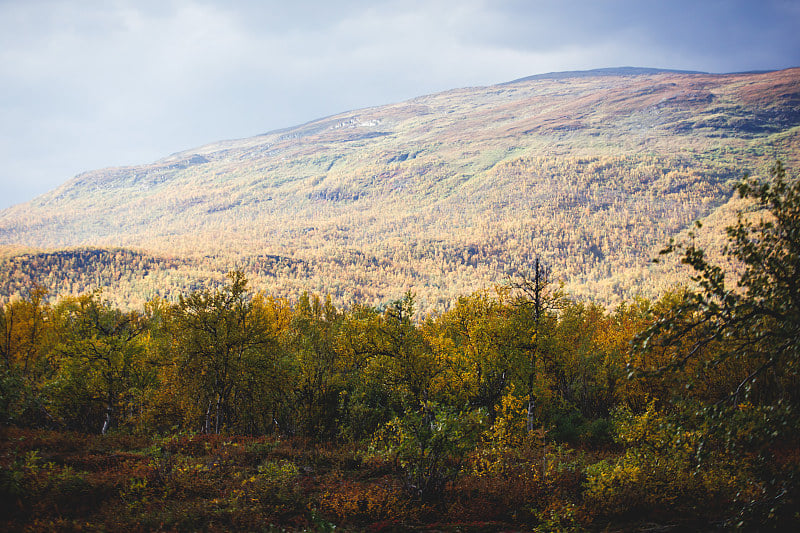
[(88, 84)]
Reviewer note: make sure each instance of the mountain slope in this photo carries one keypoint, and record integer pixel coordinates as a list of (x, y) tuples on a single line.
[(445, 193)]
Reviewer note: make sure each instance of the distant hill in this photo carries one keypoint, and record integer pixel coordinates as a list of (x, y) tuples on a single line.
[(442, 194), (610, 71)]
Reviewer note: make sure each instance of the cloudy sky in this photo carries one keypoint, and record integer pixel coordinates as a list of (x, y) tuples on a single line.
[(87, 84)]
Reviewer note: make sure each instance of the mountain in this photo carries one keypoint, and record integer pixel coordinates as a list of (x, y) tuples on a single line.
[(443, 194), (613, 71)]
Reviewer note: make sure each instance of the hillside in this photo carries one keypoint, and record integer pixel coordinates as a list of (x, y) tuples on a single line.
[(442, 194)]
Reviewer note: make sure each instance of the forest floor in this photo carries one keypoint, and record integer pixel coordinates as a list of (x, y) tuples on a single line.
[(66, 481)]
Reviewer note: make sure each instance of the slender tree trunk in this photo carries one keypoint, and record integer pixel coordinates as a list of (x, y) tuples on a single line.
[(7, 333), (216, 423), (530, 422), (539, 281), (544, 453), (107, 421), (531, 399)]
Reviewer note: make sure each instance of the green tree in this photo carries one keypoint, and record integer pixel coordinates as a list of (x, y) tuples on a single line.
[(25, 342), (534, 302), (398, 353), (756, 323), (99, 358), (368, 400), (474, 340), (748, 336), (226, 354), (317, 379)]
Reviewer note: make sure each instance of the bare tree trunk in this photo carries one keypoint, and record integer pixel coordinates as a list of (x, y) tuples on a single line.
[(529, 425), (107, 421), (544, 453), (216, 423)]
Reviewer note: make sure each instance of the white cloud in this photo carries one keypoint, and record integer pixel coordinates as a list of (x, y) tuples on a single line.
[(97, 83)]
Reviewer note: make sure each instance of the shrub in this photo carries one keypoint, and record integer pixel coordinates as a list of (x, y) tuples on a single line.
[(658, 474), (429, 446)]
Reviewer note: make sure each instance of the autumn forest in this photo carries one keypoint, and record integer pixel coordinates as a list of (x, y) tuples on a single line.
[(519, 407)]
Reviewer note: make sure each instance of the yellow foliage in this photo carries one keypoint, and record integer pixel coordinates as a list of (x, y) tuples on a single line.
[(508, 429)]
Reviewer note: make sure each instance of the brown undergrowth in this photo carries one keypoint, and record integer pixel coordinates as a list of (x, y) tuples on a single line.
[(67, 481)]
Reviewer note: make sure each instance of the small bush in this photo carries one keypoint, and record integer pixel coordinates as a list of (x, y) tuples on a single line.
[(658, 474), (430, 446)]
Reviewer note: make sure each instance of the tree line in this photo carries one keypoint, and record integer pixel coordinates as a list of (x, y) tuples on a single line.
[(231, 360)]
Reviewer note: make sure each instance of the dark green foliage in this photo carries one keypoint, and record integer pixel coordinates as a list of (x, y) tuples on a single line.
[(757, 323), (571, 427), (749, 336), (430, 444)]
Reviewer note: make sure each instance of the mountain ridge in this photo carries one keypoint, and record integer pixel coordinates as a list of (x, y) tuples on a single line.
[(606, 71)]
